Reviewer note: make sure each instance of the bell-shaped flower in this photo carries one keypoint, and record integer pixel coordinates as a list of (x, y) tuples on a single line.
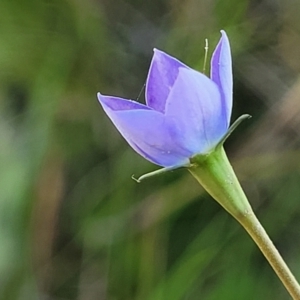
[(186, 112), (184, 123)]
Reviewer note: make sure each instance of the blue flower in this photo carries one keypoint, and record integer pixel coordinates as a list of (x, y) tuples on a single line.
[(186, 112)]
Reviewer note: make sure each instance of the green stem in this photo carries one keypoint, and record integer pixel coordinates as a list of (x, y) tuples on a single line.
[(214, 172), (262, 240)]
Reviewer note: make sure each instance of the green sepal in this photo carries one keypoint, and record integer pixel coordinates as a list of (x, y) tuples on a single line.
[(157, 172), (232, 128)]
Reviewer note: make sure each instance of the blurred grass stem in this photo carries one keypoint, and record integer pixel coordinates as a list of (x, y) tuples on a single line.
[(214, 172)]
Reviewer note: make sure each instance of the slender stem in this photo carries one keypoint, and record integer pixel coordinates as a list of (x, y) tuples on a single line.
[(262, 240), (214, 172)]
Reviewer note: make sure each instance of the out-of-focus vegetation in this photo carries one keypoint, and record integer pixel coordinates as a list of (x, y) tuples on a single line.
[(73, 224)]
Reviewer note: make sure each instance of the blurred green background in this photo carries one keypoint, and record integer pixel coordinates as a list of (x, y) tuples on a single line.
[(73, 224)]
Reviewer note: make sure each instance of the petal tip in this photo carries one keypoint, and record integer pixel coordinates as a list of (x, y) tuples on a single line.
[(224, 35), (158, 52), (101, 98)]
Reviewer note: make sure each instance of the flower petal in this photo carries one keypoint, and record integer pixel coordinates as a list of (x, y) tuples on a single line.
[(146, 130), (116, 103), (221, 73), (161, 77), (195, 108)]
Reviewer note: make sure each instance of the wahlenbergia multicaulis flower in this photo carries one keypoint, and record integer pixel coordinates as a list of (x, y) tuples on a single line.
[(186, 112), (184, 123)]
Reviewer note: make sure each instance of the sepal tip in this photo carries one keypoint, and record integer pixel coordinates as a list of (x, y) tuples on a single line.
[(232, 128), (157, 172)]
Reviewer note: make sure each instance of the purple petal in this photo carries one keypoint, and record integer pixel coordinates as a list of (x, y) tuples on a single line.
[(116, 103), (146, 130), (195, 108), (221, 73), (161, 77)]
